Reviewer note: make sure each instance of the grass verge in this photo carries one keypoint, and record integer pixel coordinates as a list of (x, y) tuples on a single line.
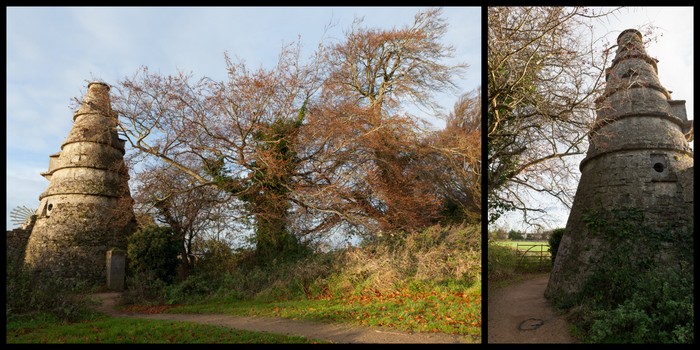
[(103, 329), (440, 309)]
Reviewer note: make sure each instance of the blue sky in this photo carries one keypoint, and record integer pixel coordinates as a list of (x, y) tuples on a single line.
[(53, 52)]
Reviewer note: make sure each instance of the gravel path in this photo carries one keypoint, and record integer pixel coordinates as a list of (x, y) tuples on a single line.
[(336, 333), (519, 313)]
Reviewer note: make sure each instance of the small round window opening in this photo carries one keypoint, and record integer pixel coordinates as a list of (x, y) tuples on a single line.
[(658, 167), (50, 207)]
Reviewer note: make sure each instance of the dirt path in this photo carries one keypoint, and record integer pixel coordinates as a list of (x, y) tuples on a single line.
[(519, 313), (336, 333)]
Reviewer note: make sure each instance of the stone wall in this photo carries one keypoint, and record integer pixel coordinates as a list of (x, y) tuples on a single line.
[(72, 242), (16, 243)]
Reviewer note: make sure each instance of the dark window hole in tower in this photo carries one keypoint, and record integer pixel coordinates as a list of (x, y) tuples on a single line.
[(659, 167), (50, 207)]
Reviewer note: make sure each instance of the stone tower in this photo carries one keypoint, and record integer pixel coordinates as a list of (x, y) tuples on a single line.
[(87, 208), (639, 159)]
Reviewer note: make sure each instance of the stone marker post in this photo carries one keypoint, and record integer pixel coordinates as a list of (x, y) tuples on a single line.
[(116, 269)]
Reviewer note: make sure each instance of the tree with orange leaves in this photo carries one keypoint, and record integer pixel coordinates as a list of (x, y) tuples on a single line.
[(362, 109), (456, 160), (305, 148)]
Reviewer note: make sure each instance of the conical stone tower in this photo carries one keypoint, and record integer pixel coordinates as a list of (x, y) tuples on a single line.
[(87, 208), (638, 165)]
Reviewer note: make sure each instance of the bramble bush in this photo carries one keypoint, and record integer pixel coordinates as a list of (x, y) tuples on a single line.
[(439, 255)]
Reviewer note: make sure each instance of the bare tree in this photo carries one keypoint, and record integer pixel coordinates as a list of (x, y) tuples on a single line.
[(545, 69), (384, 68), (192, 212), (236, 136), (306, 148)]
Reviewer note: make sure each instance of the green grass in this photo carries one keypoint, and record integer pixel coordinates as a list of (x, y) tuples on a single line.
[(513, 244), (446, 310), (450, 309), (103, 330), (427, 282), (505, 268)]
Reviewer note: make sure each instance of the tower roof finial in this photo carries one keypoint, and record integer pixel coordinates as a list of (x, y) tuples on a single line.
[(96, 99)]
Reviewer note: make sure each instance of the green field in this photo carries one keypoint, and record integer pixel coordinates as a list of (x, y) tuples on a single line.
[(506, 266), (513, 244)]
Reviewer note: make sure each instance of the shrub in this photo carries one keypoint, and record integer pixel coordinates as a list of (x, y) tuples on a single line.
[(444, 256), (498, 233), (554, 241), (30, 293), (154, 250), (515, 235), (194, 287), (642, 291), (502, 263), (659, 310), (143, 287), (217, 258)]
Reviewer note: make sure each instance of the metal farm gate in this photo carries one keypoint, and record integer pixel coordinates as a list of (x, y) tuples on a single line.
[(532, 254)]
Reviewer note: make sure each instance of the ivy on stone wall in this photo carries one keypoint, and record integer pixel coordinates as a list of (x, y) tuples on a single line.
[(641, 289)]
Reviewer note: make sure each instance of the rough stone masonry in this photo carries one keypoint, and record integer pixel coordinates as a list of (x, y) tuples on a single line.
[(87, 208), (639, 158)]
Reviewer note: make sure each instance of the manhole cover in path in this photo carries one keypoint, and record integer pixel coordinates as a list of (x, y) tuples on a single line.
[(530, 324)]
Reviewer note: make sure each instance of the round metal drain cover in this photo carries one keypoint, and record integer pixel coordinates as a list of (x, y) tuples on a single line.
[(530, 324)]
